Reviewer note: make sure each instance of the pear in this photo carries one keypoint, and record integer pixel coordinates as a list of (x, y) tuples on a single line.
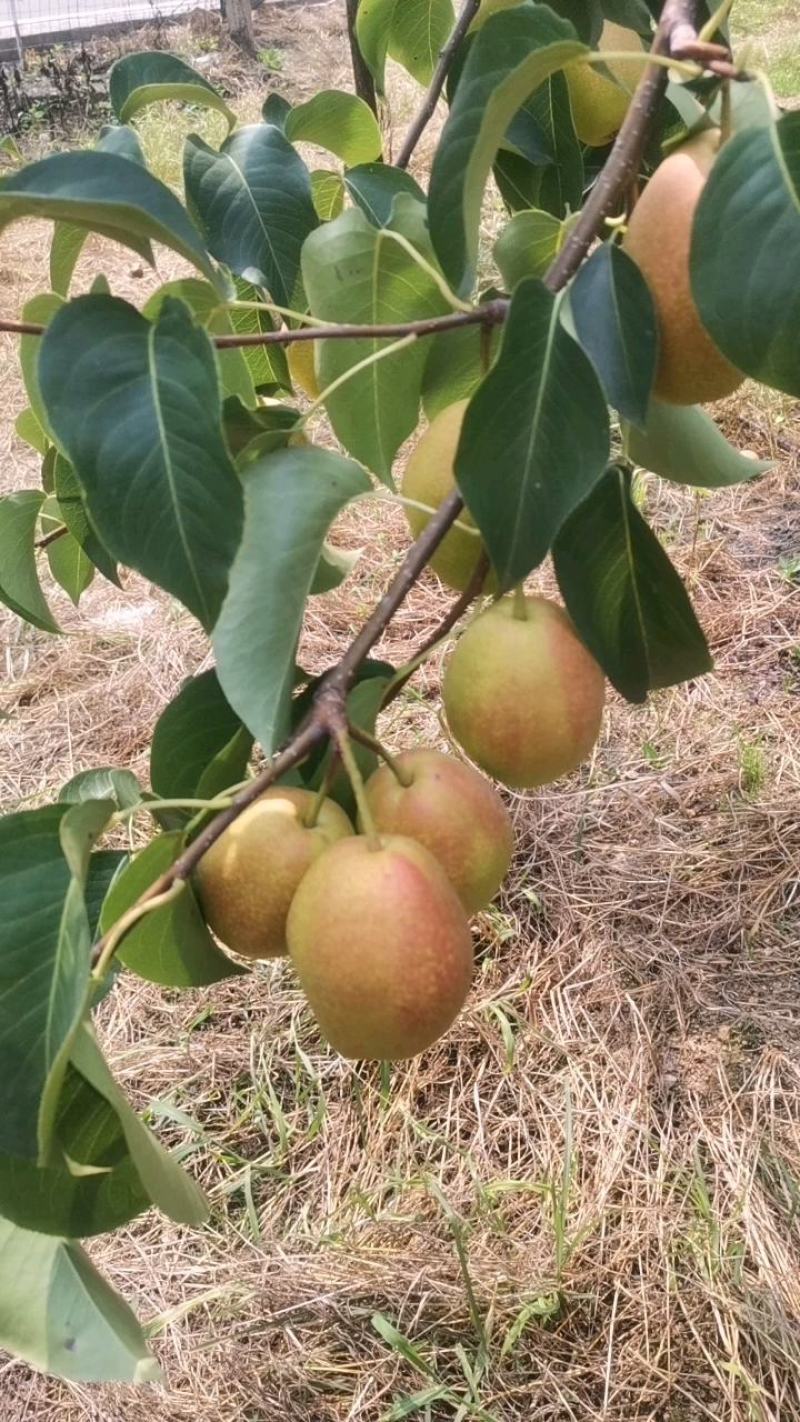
[(428, 479), (522, 694), (453, 812), (302, 367), (382, 947), (248, 878)]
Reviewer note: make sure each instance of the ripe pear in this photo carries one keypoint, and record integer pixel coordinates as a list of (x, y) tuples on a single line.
[(428, 479), (454, 812), (522, 694), (382, 947), (690, 370), (302, 367), (247, 880)]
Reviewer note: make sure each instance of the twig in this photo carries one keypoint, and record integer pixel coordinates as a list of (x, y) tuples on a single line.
[(362, 78), (453, 615), (468, 12), (52, 536), (328, 712)]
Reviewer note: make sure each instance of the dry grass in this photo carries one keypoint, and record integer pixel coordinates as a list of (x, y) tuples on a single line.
[(583, 1204)]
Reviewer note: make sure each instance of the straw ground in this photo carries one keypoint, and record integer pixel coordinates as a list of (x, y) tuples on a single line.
[(583, 1204)]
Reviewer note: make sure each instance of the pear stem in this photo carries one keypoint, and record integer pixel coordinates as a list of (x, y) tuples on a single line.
[(323, 792), (520, 604), (372, 743), (345, 749)]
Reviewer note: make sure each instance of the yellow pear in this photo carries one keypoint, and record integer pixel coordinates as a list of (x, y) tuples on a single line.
[(302, 367), (691, 369), (598, 104), (454, 812), (522, 694), (248, 878), (382, 947), (428, 479)]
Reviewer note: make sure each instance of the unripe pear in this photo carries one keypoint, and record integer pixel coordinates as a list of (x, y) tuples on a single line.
[(246, 881), (691, 369), (382, 947), (522, 694), (428, 479), (302, 367), (599, 105), (453, 812)]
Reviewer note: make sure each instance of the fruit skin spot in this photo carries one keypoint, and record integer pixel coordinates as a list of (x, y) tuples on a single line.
[(524, 697)]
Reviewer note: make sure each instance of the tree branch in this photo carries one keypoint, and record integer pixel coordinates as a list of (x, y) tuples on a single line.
[(428, 108), (329, 708), (362, 78)]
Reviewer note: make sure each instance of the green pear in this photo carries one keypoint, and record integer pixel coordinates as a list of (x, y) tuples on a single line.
[(453, 812), (522, 694), (428, 479), (382, 947), (248, 878)]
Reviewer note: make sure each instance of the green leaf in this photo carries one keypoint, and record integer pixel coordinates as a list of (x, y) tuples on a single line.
[(171, 945), (561, 188), (68, 563), (291, 499), (166, 1183), (374, 187), (335, 564), (72, 508), (135, 406), (94, 1187), (338, 121), (119, 786), (373, 28), (19, 580), (204, 303), (535, 436), (62, 1317), (417, 33), (41, 309), (259, 431), (683, 444), (527, 245), (275, 110), (519, 181), (267, 364), (104, 193), (454, 368), (68, 240), (198, 739), (27, 427), (153, 76), (327, 190), (104, 866), (751, 304), (615, 322), (354, 272), (253, 201), (624, 596), (514, 52)]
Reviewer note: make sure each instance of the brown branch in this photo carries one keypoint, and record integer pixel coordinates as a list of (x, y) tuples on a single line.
[(362, 78), (428, 108), (453, 615), (52, 536), (328, 711)]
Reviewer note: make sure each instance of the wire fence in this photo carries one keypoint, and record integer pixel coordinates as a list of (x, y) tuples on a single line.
[(25, 23)]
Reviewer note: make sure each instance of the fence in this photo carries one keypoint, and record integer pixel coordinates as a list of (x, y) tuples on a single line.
[(43, 22)]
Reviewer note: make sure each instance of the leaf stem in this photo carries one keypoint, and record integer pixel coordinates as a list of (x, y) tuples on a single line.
[(520, 604), (128, 920), (371, 359)]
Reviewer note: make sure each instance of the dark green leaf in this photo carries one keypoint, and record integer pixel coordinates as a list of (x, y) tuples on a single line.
[(327, 190), (682, 443), (746, 285), (104, 193), (275, 109), (354, 272), (291, 499), (561, 190), (624, 596), (632, 14), (120, 139), (615, 322), (119, 786), (198, 739), (253, 201), (513, 54), (72, 509), (518, 181), (527, 245), (19, 580), (374, 187), (135, 405), (455, 366), (267, 364), (68, 240), (338, 121), (249, 431), (535, 436), (204, 303), (417, 32), (151, 76), (104, 865), (373, 28), (335, 564), (62, 1317), (166, 1183)]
